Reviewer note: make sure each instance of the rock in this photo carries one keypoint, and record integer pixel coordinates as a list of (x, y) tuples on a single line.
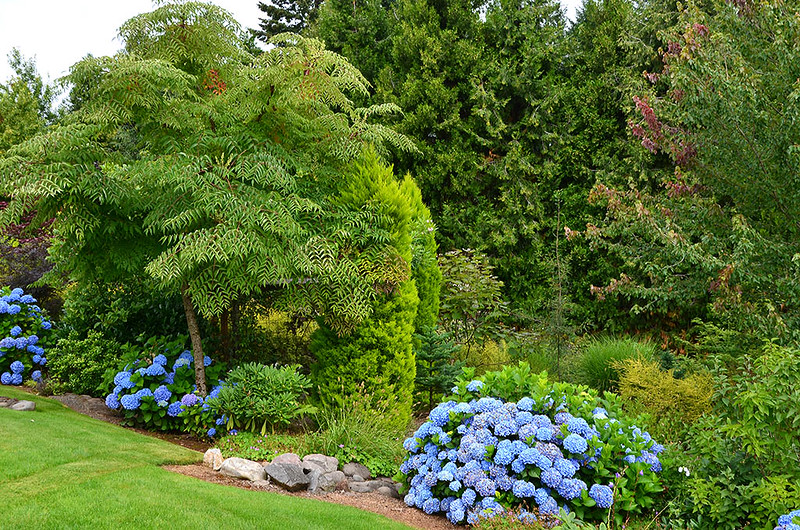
[(213, 459), (388, 491), (367, 486), (23, 405), (310, 467), (313, 481), (356, 478), (329, 481), (241, 468), (328, 464), (288, 476), (353, 468), (287, 458)]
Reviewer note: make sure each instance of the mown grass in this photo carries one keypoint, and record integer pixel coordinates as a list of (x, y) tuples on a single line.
[(59, 469)]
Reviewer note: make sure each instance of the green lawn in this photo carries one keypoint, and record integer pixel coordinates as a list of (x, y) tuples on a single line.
[(59, 469)]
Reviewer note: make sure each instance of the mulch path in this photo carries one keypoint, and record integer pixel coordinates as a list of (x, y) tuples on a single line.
[(394, 509)]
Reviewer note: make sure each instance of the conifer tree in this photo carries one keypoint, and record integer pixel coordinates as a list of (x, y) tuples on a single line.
[(211, 171), (283, 16), (436, 371)]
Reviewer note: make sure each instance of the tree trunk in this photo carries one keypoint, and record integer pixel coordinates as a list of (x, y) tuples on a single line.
[(197, 347)]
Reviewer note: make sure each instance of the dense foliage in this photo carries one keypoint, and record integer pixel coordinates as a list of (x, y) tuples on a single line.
[(79, 365)]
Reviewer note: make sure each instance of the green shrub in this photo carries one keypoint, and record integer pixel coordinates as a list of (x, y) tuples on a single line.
[(360, 433), (595, 365), (436, 370), (78, 365), (256, 397), (745, 456), (267, 336), (673, 404), (377, 356)]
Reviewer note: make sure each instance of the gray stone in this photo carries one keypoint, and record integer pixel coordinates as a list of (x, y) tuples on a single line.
[(329, 481), (367, 486), (213, 459), (328, 464), (287, 458), (313, 481), (288, 476), (353, 468), (242, 468), (23, 406), (310, 467), (388, 491), (356, 478)]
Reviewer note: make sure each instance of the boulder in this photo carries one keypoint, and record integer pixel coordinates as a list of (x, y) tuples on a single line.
[(388, 491), (354, 468), (287, 458), (356, 478), (329, 481), (242, 468), (313, 481), (328, 464), (288, 475), (367, 486), (23, 405), (213, 459)]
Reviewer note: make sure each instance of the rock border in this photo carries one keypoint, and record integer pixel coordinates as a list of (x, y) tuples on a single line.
[(316, 473)]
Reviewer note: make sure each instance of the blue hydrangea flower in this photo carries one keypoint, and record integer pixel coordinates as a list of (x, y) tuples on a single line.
[(46, 325), (486, 487), (174, 409), (130, 402), (487, 404), (571, 488), (190, 400), (211, 432), (169, 378), (21, 343), (575, 444), (551, 477), (160, 359), (577, 426), (36, 358), (179, 363), (440, 416), (602, 495), (565, 467), (36, 375), (143, 393), (16, 379), (155, 370), (469, 497), (14, 309), (112, 402), (16, 331), (33, 339), (7, 343), (162, 393), (544, 434), (431, 506), (17, 367), (523, 489), (206, 361), (475, 386)]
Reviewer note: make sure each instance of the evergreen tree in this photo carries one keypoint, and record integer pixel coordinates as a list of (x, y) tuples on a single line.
[(286, 16), (376, 359), (436, 371)]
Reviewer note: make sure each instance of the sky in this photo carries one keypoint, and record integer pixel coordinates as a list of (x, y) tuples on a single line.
[(59, 33)]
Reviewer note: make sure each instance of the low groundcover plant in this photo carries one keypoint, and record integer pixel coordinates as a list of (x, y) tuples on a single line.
[(478, 456)]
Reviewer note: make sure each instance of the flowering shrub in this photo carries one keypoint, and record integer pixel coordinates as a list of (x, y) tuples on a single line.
[(561, 446), (156, 390), (23, 330), (790, 521)]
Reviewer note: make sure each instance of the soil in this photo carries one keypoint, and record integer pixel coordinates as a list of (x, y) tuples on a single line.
[(394, 509)]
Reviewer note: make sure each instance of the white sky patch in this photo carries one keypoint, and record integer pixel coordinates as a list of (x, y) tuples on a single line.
[(59, 33)]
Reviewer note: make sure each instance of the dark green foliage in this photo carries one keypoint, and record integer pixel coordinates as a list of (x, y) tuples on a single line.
[(78, 364), (377, 357), (122, 312), (285, 16), (436, 369), (257, 397)]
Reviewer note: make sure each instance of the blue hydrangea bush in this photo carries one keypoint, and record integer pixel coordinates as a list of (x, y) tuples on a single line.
[(156, 390), (790, 521), (561, 446), (23, 336)]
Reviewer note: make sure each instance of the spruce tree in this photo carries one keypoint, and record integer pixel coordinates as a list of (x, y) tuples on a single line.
[(283, 16), (436, 371)]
